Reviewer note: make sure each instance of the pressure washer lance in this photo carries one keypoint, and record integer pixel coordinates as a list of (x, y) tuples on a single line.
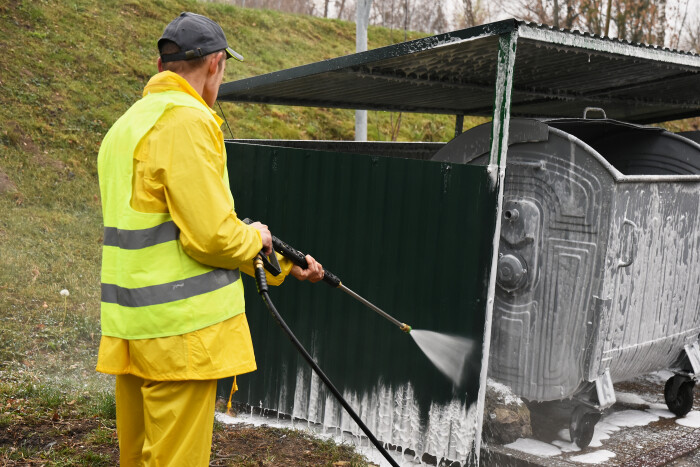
[(260, 262), (298, 258)]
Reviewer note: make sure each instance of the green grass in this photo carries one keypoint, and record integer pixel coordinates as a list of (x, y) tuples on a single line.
[(68, 70), (46, 421)]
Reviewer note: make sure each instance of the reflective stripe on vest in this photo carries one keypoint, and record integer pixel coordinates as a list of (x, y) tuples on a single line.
[(150, 286), (171, 291), (137, 239)]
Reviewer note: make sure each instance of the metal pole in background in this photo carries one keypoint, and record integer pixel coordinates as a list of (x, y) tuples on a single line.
[(361, 20)]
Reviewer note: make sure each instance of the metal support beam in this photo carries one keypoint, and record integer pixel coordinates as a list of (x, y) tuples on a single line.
[(497, 165), (459, 124)]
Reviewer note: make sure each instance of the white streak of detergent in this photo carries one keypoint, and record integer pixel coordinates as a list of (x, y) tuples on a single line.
[(391, 412), (448, 353)]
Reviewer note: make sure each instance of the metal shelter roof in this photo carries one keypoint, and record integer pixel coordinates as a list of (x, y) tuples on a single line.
[(557, 73)]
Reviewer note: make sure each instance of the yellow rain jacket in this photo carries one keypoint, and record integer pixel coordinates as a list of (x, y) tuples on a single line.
[(178, 171)]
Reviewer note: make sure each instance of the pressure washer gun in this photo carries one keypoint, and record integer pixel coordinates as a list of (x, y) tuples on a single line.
[(297, 257)]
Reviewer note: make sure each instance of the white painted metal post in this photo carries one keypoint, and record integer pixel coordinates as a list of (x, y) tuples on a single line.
[(361, 20), (497, 166)]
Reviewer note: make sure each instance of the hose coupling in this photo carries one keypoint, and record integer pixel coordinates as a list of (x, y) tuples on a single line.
[(260, 278), (258, 262)]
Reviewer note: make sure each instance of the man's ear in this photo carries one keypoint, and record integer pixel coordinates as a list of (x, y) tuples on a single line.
[(160, 65), (214, 62)]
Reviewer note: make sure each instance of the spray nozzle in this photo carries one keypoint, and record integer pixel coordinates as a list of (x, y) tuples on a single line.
[(405, 328)]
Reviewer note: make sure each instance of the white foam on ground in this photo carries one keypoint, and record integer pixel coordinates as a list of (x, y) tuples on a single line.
[(596, 457), (630, 399), (566, 446), (534, 447), (564, 442), (626, 418), (691, 420), (661, 411), (602, 432), (610, 424)]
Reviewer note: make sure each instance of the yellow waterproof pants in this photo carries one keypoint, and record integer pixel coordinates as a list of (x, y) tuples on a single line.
[(164, 423)]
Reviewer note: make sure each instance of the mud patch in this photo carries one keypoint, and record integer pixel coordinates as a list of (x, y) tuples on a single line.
[(14, 135), (6, 185), (44, 161)]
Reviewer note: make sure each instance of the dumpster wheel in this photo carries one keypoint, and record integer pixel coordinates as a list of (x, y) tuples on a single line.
[(678, 394), (582, 425)]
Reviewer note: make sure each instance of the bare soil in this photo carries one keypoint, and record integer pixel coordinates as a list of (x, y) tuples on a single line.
[(53, 440)]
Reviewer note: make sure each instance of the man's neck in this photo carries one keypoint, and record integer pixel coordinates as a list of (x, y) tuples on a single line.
[(195, 79)]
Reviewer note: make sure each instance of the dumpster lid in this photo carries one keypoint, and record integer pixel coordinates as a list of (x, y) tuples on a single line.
[(557, 73)]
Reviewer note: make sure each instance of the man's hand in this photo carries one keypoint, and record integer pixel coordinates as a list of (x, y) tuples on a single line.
[(266, 237), (313, 273)]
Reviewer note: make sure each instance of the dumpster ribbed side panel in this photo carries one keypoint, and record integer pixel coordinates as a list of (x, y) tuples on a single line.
[(652, 278), (413, 237)]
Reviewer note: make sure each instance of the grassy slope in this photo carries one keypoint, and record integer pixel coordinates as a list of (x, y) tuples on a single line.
[(67, 71)]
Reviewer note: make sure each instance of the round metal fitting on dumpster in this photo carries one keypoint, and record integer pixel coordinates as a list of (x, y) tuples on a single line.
[(512, 272), (511, 214)]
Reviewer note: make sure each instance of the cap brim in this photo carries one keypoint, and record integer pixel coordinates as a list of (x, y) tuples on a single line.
[(230, 53)]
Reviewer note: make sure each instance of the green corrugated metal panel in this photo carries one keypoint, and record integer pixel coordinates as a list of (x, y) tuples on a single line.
[(414, 237), (557, 73)]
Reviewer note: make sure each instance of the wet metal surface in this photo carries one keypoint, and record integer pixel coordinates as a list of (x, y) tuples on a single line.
[(557, 73), (584, 237)]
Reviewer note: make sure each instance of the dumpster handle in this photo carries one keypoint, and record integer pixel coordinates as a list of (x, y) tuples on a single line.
[(593, 109), (631, 239)]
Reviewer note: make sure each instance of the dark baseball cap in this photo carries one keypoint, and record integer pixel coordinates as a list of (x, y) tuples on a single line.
[(197, 36)]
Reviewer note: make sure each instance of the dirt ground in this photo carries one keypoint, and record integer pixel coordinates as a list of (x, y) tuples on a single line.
[(86, 441)]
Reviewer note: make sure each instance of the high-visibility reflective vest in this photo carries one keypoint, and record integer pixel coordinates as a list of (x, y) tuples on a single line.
[(150, 286)]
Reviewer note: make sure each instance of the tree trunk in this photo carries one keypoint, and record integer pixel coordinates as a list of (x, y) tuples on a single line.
[(469, 13), (341, 7)]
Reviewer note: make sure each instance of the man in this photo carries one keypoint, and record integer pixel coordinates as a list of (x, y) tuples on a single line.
[(172, 306)]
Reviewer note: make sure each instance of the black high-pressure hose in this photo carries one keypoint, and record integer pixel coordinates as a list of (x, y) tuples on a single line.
[(261, 281)]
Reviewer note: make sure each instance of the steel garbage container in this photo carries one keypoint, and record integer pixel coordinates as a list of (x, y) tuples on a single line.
[(598, 278)]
